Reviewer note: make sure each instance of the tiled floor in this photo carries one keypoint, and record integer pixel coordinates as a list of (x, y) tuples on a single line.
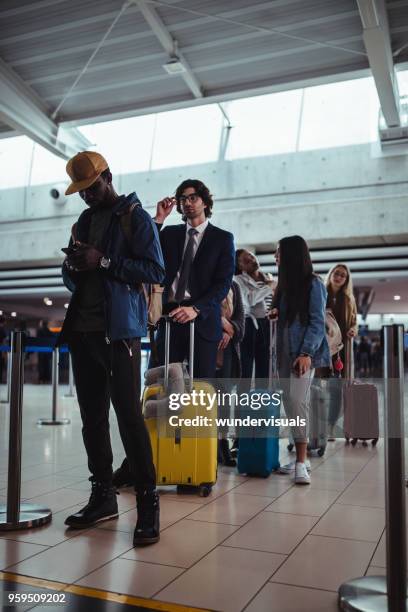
[(254, 544)]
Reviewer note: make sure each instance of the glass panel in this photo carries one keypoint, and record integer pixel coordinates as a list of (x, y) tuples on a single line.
[(402, 78), (47, 167), (15, 161), (339, 114), (126, 143), (264, 125), (187, 136)]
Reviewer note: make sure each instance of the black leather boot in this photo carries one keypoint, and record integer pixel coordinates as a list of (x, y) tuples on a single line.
[(122, 476), (102, 506), (147, 530)]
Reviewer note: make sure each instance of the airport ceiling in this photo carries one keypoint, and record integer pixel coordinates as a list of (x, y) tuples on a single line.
[(70, 62)]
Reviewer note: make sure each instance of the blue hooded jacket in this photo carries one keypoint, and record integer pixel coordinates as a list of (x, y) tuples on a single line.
[(133, 262)]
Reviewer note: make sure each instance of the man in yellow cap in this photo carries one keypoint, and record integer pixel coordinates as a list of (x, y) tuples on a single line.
[(114, 248)]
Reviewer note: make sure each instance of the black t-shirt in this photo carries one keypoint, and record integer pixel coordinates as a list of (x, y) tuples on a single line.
[(89, 314)]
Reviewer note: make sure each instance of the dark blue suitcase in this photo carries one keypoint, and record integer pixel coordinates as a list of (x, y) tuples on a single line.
[(258, 454)]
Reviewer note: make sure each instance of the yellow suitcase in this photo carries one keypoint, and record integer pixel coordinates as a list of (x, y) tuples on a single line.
[(184, 455)]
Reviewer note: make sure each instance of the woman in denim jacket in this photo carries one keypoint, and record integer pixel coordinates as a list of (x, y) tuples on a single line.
[(299, 304)]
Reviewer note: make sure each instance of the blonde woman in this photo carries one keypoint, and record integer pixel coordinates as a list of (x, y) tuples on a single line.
[(340, 299)]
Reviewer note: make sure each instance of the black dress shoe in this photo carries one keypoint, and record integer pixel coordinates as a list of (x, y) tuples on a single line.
[(234, 448), (102, 506), (147, 530), (122, 476), (227, 458)]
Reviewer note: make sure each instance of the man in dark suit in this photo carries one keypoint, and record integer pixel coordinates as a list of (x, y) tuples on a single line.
[(199, 260)]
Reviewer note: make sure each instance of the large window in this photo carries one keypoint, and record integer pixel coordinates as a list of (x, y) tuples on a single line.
[(332, 115), (187, 136), (339, 114), (126, 144), (15, 161), (264, 125), (47, 167)]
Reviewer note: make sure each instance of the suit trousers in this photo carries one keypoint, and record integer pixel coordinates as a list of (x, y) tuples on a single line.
[(105, 372), (205, 352), (255, 349)]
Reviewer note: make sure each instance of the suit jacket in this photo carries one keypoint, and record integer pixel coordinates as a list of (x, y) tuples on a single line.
[(211, 273)]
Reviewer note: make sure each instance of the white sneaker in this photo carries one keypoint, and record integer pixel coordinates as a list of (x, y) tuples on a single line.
[(289, 468), (301, 474)]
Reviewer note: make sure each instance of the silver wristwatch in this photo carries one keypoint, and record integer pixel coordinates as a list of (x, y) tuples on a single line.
[(104, 262)]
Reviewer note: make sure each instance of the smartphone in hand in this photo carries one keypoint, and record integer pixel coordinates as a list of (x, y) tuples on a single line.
[(69, 250)]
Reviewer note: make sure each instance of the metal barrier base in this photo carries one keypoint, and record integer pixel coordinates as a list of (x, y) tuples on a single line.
[(366, 594), (52, 422), (31, 515)]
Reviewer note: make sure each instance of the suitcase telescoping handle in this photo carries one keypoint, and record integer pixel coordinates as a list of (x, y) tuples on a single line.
[(349, 357), (167, 352), (273, 366)]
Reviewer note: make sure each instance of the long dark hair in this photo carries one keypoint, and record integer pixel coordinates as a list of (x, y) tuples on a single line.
[(294, 278)]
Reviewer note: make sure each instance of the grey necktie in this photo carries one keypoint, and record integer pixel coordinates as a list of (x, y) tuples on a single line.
[(186, 266)]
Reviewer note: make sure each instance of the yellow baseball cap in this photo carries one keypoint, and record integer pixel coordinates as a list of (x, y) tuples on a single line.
[(83, 169)]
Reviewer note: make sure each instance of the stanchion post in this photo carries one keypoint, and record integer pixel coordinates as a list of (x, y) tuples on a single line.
[(54, 383), (396, 549), (389, 593), (54, 380), (15, 515), (15, 433), (70, 378), (8, 378)]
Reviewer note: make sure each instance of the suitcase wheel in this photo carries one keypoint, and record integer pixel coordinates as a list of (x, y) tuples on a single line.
[(354, 442), (205, 490), (321, 451), (290, 447), (374, 442), (365, 443), (347, 439)]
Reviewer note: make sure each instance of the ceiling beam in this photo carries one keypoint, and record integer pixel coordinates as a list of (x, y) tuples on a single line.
[(376, 36), (24, 111), (169, 45)]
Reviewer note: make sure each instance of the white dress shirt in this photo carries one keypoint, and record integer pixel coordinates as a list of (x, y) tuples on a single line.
[(200, 229), (255, 296)]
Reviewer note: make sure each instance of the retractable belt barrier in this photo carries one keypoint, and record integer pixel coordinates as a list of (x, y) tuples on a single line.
[(48, 345), (41, 345), (388, 593), (54, 380), (14, 514)]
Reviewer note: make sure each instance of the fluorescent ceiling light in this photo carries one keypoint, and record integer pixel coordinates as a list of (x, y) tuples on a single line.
[(397, 298), (13, 314), (174, 66)]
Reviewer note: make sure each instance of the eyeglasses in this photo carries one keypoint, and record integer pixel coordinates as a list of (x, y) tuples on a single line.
[(192, 198)]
